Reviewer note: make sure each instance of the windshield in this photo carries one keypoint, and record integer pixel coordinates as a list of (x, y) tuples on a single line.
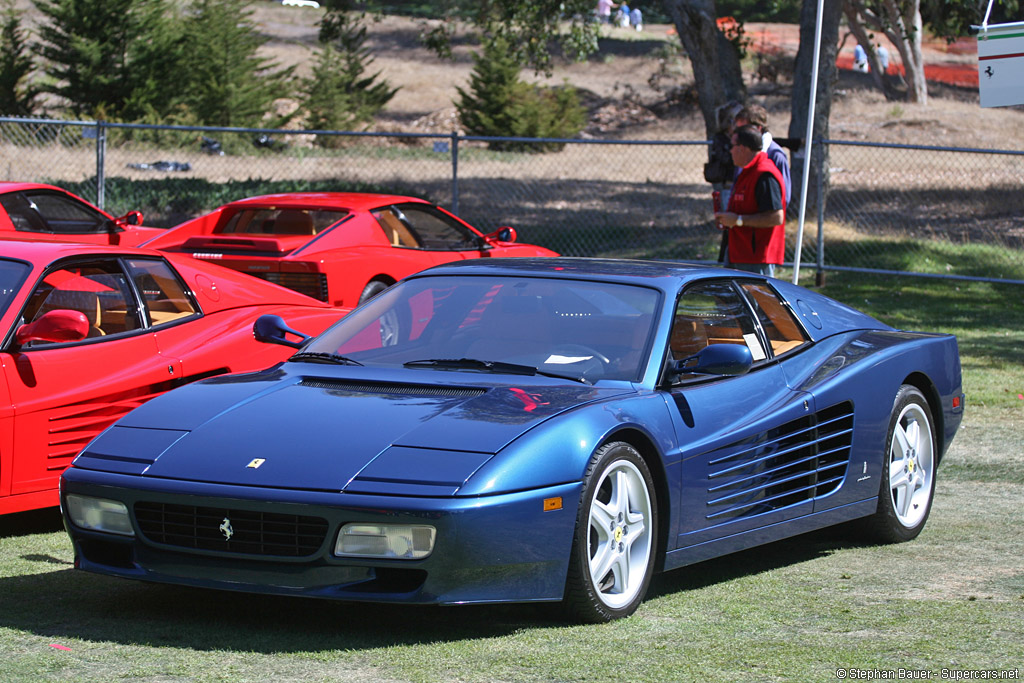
[(577, 329), (12, 274)]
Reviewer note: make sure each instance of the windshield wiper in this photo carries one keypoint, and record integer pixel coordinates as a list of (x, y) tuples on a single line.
[(324, 357), (489, 366)]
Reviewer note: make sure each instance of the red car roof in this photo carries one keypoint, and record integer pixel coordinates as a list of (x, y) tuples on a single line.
[(359, 201)]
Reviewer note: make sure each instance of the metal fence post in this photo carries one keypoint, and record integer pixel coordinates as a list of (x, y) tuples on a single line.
[(101, 152), (455, 172), (820, 276)]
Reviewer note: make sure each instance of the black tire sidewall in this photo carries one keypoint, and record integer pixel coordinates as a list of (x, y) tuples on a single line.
[(582, 600), (372, 289), (886, 523)]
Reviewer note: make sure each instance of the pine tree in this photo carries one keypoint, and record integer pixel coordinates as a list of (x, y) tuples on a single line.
[(90, 47), (490, 106), (339, 96), (17, 97), (228, 83), (499, 104)]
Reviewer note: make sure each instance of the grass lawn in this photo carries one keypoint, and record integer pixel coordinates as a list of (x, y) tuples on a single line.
[(796, 610)]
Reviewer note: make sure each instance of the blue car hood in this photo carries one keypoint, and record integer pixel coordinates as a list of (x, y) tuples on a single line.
[(320, 433)]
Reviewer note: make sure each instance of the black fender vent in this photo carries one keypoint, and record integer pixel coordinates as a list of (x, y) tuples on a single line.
[(799, 461)]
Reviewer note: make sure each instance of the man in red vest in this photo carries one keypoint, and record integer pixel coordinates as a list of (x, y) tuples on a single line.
[(756, 214)]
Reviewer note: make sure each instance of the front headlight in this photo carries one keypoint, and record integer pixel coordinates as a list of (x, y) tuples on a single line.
[(99, 514), (396, 541)]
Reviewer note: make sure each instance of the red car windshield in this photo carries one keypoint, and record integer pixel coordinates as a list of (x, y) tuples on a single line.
[(594, 330), (275, 221)]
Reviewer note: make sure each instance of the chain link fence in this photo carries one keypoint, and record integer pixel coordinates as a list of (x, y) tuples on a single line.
[(941, 212)]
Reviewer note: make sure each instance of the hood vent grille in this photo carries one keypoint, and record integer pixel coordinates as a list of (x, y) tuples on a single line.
[(387, 388), (799, 461)]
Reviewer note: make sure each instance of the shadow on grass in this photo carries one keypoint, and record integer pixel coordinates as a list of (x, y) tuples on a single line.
[(62, 603), (784, 553)]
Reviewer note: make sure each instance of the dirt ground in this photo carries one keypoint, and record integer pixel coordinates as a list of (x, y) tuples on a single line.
[(617, 84), (636, 85)]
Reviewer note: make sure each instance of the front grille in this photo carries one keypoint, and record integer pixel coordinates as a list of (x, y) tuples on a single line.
[(231, 531), (311, 284)]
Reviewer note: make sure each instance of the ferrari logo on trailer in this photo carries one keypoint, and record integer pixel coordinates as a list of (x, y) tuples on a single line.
[(225, 528), (1001, 65)]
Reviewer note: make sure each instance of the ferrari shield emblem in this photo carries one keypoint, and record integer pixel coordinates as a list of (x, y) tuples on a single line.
[(256, 462)]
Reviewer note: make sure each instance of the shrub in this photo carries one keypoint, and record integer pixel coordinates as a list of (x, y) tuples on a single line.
[(498, 104)]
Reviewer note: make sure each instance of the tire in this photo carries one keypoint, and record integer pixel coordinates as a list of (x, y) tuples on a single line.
[(372, 289), (908, 475), (613, 551)]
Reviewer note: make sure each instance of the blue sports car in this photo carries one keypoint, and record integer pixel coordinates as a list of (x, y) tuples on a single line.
[(525, 430)]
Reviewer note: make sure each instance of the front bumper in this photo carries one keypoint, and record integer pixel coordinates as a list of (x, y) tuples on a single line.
[(503, 548)]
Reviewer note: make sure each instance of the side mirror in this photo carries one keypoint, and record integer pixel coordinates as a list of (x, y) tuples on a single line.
[(504, 234), (130, 218), (56, 326), (272, 329), (726, 360)]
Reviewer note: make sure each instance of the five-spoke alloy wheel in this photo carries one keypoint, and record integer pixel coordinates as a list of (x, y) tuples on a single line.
[(908, 477), (613, 551)]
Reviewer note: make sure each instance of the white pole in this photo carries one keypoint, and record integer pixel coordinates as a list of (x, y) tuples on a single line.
[(808, 138)]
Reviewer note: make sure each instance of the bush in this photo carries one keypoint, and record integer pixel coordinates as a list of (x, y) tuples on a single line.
[(498, 104)]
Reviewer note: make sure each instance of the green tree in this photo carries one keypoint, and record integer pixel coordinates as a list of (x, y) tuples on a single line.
[(92, 50), (228, 83), (499, 104), (339, 95), (17, 95)]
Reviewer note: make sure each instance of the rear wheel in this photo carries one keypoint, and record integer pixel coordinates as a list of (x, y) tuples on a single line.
[(372, 289), (908, 478), (612, 556)]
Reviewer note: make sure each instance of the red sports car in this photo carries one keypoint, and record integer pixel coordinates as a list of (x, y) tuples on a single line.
[(90, 332), (342, 248), (31, 211)]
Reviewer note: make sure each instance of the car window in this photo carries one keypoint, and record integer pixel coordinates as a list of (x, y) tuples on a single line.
[(163, 295), (274, 221), (21, 212), (98, 290), (780, 326), (424, 227), (12, 274), (56, 213), (713, 313)]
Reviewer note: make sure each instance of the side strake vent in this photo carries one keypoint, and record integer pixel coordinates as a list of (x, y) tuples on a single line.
[(377, 388), (799, 461)]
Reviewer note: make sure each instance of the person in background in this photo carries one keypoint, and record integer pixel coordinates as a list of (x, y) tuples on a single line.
[(622, 18), (757, 116), (860, 59), (604, 11), (636, 18), (719, 170), (756, 214)]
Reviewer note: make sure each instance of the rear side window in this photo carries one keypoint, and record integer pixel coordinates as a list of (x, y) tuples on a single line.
[(164, 297), (54, 213), (780, 327), (424, 227), (12, 274)]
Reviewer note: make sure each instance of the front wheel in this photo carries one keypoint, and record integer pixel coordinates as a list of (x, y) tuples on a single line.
[(908, 478), (612, 556)]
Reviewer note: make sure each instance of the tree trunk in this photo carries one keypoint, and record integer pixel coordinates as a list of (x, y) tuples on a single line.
[(715, 61), (902, 24), (878, 75), (800, 103)]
